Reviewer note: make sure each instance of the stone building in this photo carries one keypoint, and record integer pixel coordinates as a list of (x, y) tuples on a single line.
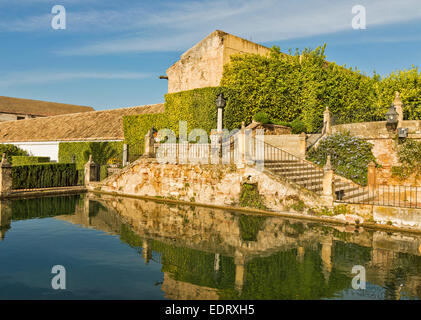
[(42, 136), (202, 65), (18, 109)]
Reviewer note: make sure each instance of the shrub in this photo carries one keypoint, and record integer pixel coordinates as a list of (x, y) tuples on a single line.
[(11, 150), (24, 160), (350, 155), (250, 197), (44, 175), (261, 117), (409, 154), (298, 126)]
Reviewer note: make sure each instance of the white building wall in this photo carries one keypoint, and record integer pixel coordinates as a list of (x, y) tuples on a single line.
[(45, 149), (40, 149)]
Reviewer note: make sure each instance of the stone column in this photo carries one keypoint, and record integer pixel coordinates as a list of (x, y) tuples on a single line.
[(371, 176), (303, 144), (149, 144), (217, 262), (91, 171), (125, 154), (219, 123), (241, 146), (327, 122), (328, 186), (5, 177), (326, 255), (399, 108), (300, 254)]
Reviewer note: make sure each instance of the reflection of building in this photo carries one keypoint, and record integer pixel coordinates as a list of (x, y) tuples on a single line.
[(214, 254)]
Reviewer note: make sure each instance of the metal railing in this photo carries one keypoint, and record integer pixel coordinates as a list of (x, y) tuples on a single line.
[(381, 195), (290, 167)]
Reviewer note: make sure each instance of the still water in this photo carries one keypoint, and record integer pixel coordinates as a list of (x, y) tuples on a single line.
[(121, 248)]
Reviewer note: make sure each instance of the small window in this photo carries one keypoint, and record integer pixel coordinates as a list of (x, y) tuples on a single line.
[(20, 118)]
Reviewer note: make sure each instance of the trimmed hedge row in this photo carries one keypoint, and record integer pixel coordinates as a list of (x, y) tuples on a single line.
[(44, 176), (197, 107), (27, 160)]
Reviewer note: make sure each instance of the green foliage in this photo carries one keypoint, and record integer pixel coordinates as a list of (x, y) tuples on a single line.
[(298, 126), (11, 150), (303, 84), (44, 175), (197, 107), (250, 197), (350, 156), (44, 207), (409, 154), (24, 160), (101, 152), (261, 117)]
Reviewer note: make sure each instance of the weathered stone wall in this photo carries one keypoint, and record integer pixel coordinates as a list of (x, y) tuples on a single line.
[(384, 146), (289, 143), (202, 65), (206, 184)]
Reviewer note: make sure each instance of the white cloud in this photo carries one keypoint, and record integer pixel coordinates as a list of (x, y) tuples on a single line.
[(43, 77), (178, 25)]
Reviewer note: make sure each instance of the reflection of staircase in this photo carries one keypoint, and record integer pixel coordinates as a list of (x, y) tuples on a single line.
[(309, 176)]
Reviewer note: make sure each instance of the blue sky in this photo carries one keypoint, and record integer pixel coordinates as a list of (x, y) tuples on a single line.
[(113, 51)]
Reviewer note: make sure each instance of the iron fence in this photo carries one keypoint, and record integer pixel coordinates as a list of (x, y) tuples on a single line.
[(382, 195)]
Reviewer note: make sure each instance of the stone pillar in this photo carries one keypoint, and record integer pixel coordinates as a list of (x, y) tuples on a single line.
[(219, 123), (371, 175), (327, 122), (5, 177), (328, 186), (149, 144), (303, 144), (241, 146), (91, 171), (125, 154), (85, 219), (399, 108)]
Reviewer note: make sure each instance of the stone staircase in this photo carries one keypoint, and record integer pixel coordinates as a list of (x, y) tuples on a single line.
[(310, 176)]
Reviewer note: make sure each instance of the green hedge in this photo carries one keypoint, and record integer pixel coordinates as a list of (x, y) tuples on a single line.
[(101, 152), (197, 107), (303, 84), (44, 175), (26, 160)]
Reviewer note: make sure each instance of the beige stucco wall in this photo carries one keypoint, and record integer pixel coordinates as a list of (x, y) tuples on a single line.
[(202, 65), (13, 116)]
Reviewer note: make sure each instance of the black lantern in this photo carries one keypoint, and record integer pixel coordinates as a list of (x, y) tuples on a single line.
[(392, 115), (220, 101)]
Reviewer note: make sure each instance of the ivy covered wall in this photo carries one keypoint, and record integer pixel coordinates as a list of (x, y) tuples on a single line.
[(197, 107)]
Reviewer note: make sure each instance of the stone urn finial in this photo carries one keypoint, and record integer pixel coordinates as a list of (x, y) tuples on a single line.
[(328, 165), (4, 162)]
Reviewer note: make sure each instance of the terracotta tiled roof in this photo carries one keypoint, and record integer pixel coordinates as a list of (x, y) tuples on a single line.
[(38, 108), (85, 126)]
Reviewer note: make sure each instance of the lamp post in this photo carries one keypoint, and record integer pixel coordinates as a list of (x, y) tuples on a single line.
[(392, 117), (220, 103)]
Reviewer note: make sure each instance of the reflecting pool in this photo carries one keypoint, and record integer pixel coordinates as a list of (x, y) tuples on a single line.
[(123, 248)]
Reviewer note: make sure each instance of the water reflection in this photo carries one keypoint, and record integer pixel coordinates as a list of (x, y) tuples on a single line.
[(215, 254)]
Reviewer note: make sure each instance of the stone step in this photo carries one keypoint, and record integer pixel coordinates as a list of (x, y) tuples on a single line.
[(297, 172), (360, 196)]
